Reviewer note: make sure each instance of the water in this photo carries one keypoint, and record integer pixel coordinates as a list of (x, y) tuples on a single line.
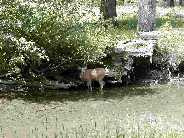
[(127, 111)]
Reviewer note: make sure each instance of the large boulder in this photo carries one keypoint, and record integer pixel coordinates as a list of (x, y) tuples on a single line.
[(136, 47)]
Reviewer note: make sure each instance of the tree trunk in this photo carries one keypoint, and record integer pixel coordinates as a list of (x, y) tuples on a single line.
[(170, 3), (108, 8), (146, 15), (181, 2)]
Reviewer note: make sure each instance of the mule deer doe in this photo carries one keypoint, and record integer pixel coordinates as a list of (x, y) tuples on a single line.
[(96, 74)]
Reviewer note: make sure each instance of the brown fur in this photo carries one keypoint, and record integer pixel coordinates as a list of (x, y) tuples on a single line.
[(96, 74), (93, 74)]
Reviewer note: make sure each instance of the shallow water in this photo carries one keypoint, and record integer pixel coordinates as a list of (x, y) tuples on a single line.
[(123, 111)]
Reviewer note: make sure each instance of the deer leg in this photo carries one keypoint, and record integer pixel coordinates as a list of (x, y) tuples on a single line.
[(89, 85), (101, 82)]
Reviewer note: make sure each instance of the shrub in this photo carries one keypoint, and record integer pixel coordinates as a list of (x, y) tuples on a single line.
[(172, 42), (58, 32)]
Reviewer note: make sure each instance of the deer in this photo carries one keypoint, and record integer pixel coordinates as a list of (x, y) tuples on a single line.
[(96, 74)]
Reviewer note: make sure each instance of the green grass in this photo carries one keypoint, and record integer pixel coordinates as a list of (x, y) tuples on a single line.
[(129, 22), (134, 112), (174, 22), (127, 26), (24, 119)]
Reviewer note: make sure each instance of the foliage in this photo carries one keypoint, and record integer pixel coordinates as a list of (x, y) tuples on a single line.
[(172, 42), (170, 21), (63, 34), (58, 33), (15, 52)]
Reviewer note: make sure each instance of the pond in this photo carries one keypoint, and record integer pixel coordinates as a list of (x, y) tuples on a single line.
[(134, 111)]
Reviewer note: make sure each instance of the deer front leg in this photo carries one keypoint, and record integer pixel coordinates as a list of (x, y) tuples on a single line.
[(89, 85), (101, 82)]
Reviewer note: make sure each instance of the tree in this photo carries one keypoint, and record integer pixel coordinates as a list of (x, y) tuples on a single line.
[(170, 3), (146, 13), (108, 9), (181, 2)]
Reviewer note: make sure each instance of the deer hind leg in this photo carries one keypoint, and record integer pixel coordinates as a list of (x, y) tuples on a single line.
[(101, 82), (89, 85)]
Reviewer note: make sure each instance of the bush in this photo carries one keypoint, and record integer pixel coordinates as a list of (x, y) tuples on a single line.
[(172, 43), (56, 32)]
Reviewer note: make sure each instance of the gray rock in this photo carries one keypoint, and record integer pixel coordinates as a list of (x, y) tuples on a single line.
[(180, 15), (153, 35), (136, 47)]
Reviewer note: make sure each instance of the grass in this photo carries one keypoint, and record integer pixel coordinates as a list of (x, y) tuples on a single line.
[(142, 113), (129, 22), (46, 121), (119, 113), (174, 22), (127, 26)]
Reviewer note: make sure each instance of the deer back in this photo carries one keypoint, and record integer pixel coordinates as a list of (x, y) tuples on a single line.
[(93, 74)]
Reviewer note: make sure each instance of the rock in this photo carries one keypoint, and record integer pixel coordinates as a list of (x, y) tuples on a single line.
[(153, 35), (61, 85), (180, 15), (136, 47)]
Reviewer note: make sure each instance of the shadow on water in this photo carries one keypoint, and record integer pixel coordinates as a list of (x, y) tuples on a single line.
[(77, 95)]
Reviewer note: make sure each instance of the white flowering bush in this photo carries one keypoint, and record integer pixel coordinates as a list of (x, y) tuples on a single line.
[(62, 33), (15, 54), (172, 43)]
